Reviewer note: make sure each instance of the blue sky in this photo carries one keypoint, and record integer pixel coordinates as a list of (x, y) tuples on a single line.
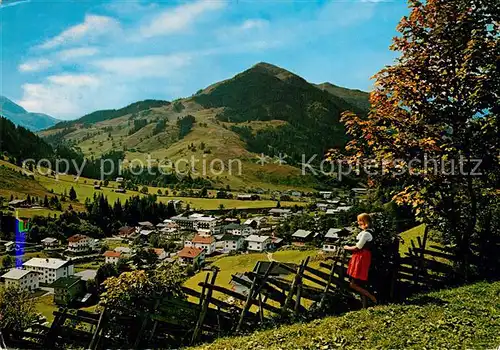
[(69, 58)]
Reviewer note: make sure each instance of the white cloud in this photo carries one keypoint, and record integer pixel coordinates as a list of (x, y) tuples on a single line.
[(78, 52), (253, 24), (93, 26), (13, 3), (35, 65), (179, 18), (61, 95), (144, 66), (74, 80)]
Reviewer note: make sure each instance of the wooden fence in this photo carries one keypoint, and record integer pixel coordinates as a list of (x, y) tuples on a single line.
[(214, 310)]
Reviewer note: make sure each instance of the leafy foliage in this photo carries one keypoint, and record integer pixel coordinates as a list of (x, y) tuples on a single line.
[(439, 102), (185, 124), (17, 308)]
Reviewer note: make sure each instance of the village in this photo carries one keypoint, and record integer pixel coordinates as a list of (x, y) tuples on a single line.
[(61, 270)]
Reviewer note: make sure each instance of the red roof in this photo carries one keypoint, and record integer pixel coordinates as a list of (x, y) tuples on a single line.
[(203, 239), (112, 254), (159, 251), (77, 238), (190, 252)]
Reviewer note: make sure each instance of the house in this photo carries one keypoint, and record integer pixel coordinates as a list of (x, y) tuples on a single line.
[(22, 279), (203, 242), (80, 243), (276, 242), (119, 179), (252, 223), (248, 197), (278, 212), (111, 256), (300, 237), (237, 284), (9, 246), (123, 250), (67, 289), (232, 243), (49, 242), (145, 225), (331, 238), (162, 254), (86, 275), (19, 203), (338, 210), (296, 193), (205, 223), (49, 269), (258, 243), (97, 187), (237, 229), (120, 190), (191, 256), (326, 194), (184, 222), (127, 231), (280, 270)]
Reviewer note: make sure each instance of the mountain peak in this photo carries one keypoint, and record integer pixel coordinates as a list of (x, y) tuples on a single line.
[(278, 72), (19, 116)]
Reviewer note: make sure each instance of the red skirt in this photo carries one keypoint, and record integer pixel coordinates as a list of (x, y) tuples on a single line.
[(360, 264)]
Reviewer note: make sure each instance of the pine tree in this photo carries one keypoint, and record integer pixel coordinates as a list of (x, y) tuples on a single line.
[(72, 194)]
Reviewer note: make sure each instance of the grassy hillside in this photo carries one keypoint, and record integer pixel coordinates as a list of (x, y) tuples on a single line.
[(13, 182), (461, 318), (265, 109), (230, 265)]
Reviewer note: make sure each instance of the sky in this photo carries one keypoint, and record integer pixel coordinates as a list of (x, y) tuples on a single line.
[(69, 58)]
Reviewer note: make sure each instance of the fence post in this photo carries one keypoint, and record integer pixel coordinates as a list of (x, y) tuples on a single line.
[(204, 308)]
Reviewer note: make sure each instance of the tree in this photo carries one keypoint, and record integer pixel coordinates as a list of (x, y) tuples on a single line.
[(7, 261), (203, 192), (46, 201), (144, 189), (133, 293), (433, 125), (17, 308), (278, 204), (72, 194)]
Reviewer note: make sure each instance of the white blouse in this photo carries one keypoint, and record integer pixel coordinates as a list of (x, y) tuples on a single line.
[(363, 237)]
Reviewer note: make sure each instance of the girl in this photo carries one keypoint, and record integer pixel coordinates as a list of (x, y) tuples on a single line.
[(361, 257)]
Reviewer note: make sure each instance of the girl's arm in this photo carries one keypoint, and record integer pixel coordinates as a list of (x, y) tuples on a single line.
[(350, 247)]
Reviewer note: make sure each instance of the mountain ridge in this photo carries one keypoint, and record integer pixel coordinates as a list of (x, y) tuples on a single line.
[(262, 110), (20, 116)]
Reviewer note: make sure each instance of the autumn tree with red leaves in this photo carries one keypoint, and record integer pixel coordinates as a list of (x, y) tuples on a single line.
[(438, 104)]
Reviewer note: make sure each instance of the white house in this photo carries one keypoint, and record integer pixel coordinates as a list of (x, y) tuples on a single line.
[(49, 269), (49, 242), (206, 243), (331, 238), (278, 212), (80, 243), (205, 223), (258, 243), (232, 243), (111, 256), (237, 229), (23, 279)]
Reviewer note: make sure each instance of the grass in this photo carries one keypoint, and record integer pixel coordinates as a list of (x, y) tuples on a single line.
[(462, 318), (230, 265), (45, 305), (408, 236), (92, 265)]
